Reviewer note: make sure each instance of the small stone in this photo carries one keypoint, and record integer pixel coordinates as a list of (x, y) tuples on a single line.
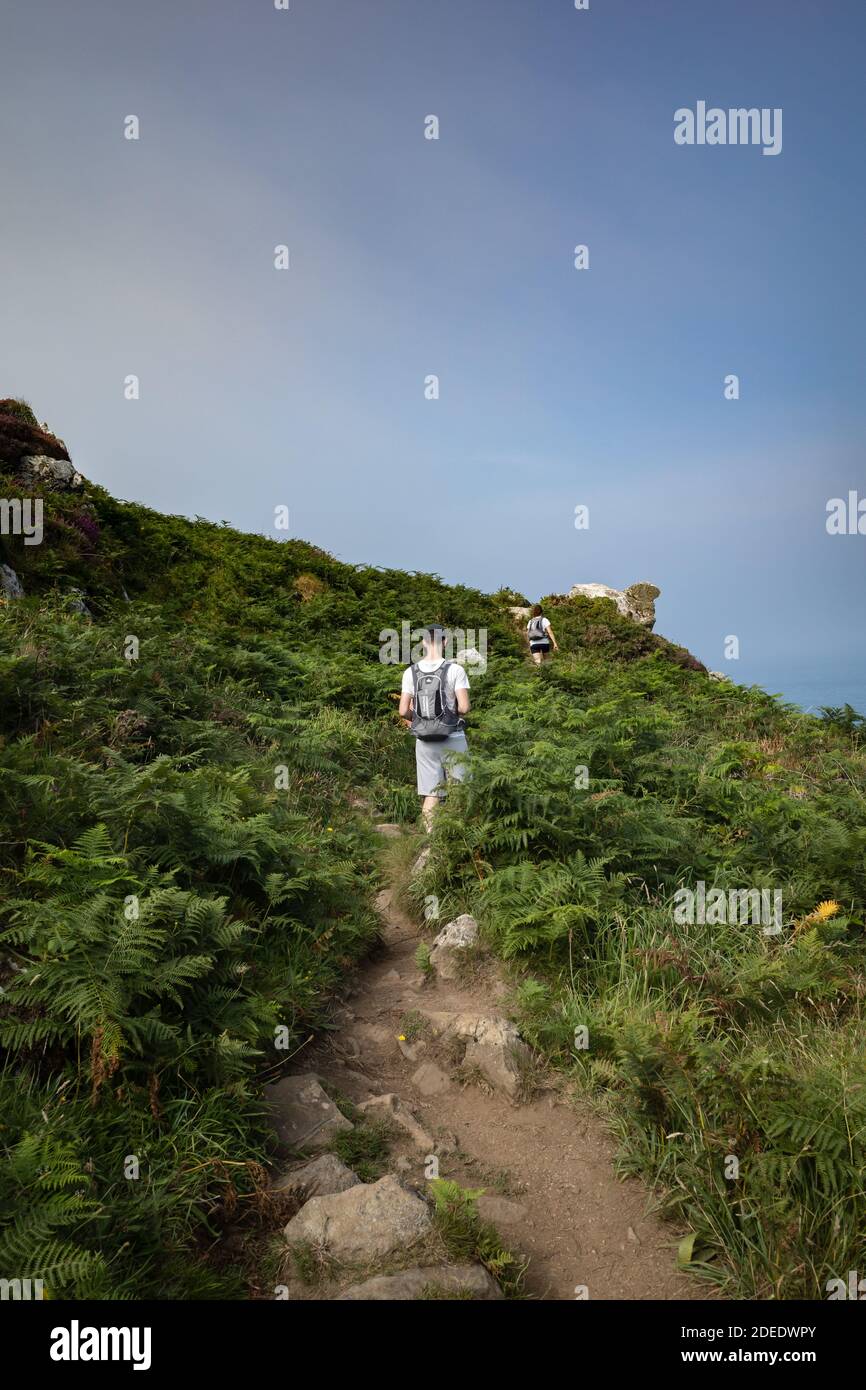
[(390, 831), (321, 1177), (414, 1283), (500, 1211), (430, 1080), (302, 1114), (421, 862), (391, 1107)]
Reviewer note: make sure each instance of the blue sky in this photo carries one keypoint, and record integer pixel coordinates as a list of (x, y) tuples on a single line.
[(455, 257)]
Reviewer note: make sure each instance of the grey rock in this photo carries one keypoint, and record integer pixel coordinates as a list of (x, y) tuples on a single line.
[(389, 830), (412, 1283), (321, 1177), (363, 1222), (719, 676), (75, 603), (421, 862), (56, 474), (452, 939), (302, 1114), (10, 584)]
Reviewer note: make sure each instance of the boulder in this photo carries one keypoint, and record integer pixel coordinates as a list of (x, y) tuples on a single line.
[(637, 602), (321, 1177), (718, 676), (302, 1114), (362, 1223), (414, 1283), (455, 937), (390, 831), (10, 584), (58, 475), (520, 615), (493, 1046)]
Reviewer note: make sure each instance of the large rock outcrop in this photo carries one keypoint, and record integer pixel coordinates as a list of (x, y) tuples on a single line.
[(21, 437), (636, 602)]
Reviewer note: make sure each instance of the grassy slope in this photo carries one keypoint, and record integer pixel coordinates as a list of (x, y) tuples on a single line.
[(183, 876)]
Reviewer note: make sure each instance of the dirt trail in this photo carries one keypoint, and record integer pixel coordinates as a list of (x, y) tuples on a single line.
[(546, 1165)]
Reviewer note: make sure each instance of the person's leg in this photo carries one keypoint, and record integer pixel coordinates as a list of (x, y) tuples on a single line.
[(428, 766), (536, 658), (456, 767)]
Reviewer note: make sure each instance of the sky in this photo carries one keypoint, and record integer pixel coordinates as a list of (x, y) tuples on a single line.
[(411, 258)]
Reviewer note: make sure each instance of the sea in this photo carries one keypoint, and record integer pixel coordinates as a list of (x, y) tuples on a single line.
[(816, 692)]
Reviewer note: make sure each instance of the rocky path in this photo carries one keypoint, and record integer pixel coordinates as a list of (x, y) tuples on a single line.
[(431, 1055)]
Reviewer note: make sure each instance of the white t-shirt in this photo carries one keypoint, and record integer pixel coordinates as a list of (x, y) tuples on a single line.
[(534, 636), (456, 679)]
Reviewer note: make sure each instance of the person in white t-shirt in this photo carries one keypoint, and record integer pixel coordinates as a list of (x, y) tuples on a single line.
[(540, 635), (433, 699)]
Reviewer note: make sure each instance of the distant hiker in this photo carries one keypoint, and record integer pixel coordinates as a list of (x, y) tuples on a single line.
[(540, 635), (436, 694)]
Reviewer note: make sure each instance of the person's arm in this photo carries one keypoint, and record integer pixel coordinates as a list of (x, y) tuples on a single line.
[(552, 638), (462, 695), (407, 698)]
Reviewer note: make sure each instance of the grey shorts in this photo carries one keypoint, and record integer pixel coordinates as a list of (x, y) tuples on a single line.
[(436, 761)]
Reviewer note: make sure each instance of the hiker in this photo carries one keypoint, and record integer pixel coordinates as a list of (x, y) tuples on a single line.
[(435, 693), (540, 635)]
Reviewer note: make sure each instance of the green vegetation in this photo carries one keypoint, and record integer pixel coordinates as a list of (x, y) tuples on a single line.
[(185, 879), (183, 876), (729, 1059), (365, 1148), (466, 1237)]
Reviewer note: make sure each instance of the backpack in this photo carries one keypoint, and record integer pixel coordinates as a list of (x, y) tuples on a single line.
[(432, 720), (535, 628)]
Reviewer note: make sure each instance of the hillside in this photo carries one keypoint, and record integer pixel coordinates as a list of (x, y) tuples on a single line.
[(192, 723)]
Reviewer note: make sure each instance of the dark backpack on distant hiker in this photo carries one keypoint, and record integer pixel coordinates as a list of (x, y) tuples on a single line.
[(536, 629), (432, 720)]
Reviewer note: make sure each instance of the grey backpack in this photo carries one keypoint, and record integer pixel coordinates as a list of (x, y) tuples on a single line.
[(536, 629), (432, 720)]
